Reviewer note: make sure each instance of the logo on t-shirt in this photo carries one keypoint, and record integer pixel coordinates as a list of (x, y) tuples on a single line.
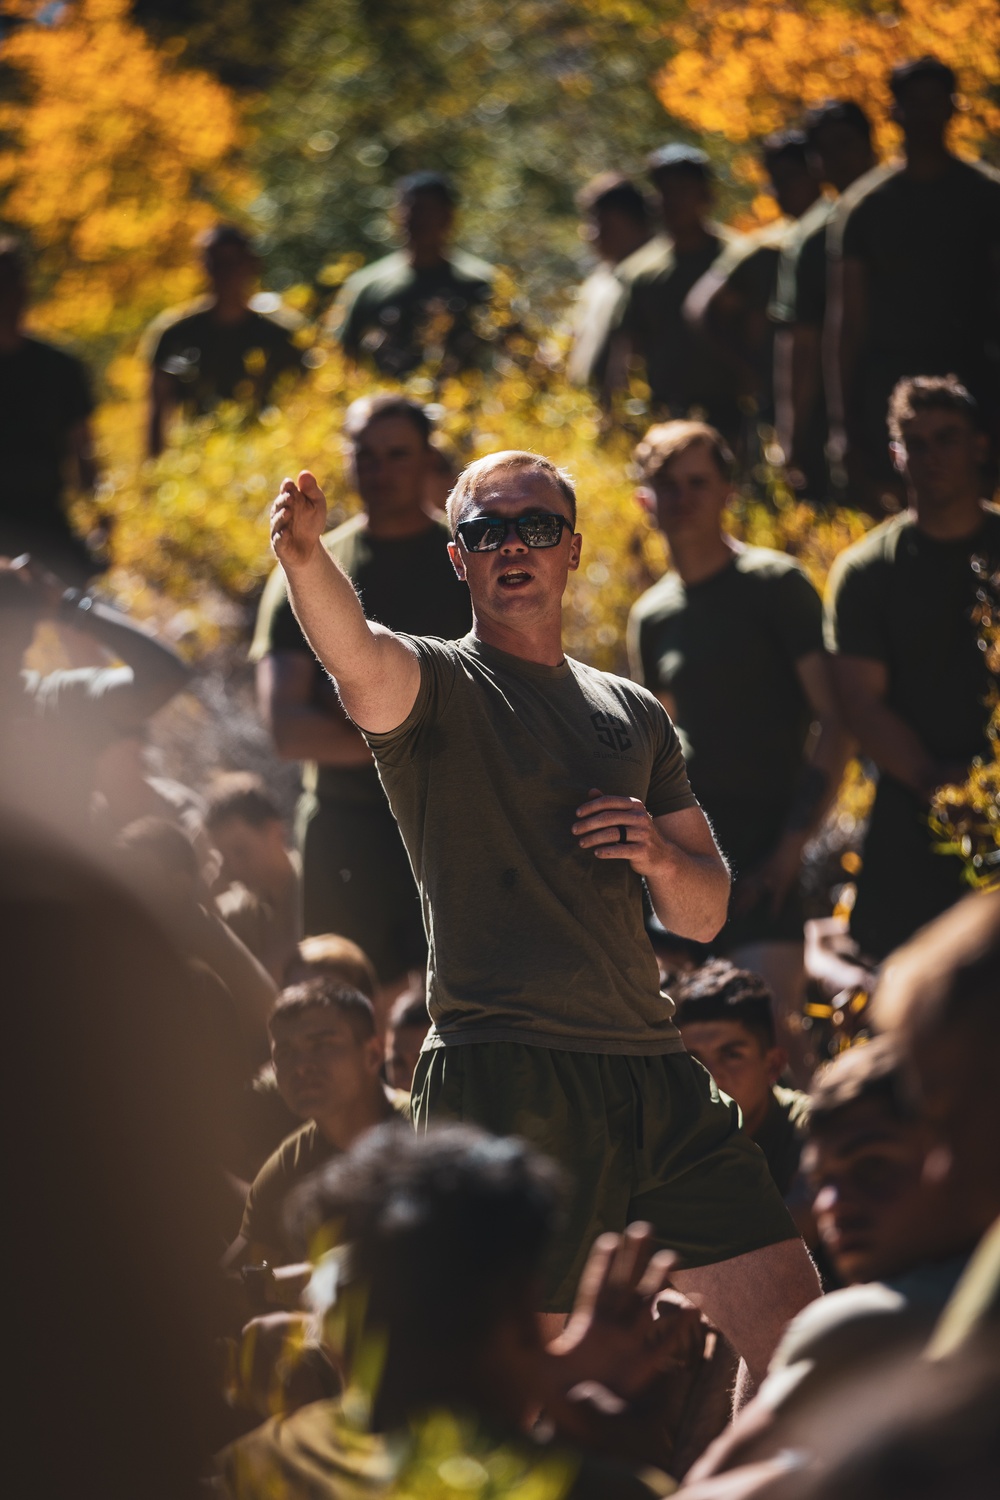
[(611, 731)]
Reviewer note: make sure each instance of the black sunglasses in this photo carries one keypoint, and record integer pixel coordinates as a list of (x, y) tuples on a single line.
[(487, 533)]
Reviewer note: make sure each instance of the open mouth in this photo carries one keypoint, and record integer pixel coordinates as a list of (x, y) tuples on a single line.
[(514, 578)]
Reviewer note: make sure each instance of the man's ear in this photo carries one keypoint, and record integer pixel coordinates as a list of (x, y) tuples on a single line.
[(575, 548), (776, 1061), (898, 457), (457, 560), (374, 1053), (646, 500)]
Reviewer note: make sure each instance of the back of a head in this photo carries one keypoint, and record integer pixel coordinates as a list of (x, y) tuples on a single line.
[(845, 112), (611, 190), (243, 795), (785, 146), (919, 70), (224, 236), (441, 1230), (680, 160), (718, 991), (329, 955), (868, 1072), (437, 183)]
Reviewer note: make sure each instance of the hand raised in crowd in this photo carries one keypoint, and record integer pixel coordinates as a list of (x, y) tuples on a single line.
[(298, 520), (619, 828)]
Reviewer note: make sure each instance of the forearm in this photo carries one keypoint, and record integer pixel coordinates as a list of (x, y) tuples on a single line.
[(329, 611), (319, 735), (690, 892), (894, 747), (819, 781)]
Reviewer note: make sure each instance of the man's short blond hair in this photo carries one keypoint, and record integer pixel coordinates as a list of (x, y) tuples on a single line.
[(474, 478), (667, 440)]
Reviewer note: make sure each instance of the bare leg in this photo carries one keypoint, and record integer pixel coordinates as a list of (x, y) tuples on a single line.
[(751, 1298)]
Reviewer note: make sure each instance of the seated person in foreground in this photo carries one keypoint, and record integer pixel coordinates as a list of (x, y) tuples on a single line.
[(725, 1017), (328, 1063), (438, 1242)]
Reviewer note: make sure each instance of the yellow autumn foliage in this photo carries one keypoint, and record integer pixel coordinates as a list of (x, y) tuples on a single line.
[(117, 157)]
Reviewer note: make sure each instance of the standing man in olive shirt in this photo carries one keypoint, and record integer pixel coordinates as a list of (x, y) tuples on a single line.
[(535, 795), (419, 304), (731, 642), (356, 877), (915, 275), (911, 678)]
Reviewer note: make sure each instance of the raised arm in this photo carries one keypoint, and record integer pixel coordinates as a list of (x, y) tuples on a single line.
[(377, 674)]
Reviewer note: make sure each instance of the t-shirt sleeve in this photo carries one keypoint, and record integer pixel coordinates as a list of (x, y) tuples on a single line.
[(810, 281), (855, 230), (853, 625), (262, 1216), (796, 614), (437, 679), (669, 788)]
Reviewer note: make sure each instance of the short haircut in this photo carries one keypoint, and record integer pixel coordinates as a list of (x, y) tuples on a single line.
[(612, 190), (409, 1009), (325, 994), (427, 182), (930, 393), (328, 955), (903, 74), (240, 794), (870, 1071), (161, 842), (221, 235), (785, 145), (441, 1228), (368, 409), (667, 440), (836, 112), (474, 478), (682, 161), (719, 991)]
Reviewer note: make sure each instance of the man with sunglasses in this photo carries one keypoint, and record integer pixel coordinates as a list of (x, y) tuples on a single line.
[(534, 795)]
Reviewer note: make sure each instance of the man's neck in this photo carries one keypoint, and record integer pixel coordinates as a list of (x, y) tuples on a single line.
[(925, 163), (342, 1128), (413, 521), (691, 240), (948, 523), (699, 558), (229, 310), (426, 260), (540, 643)]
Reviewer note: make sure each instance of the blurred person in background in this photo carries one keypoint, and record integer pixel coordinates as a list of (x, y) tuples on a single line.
[(46, 443), (55, 726), (221, 348), (682, 371), (356, 876), (615, 218), (408, 1025), (914, 279), (730, 304), (418, 305), (260, 893), (838, 137), (911, 676), (328, 1065), (725, 1017), (731, 642)]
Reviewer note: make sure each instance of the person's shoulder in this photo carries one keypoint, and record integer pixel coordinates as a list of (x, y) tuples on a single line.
[(664, 597), (652, 259), (272, 316), (766, 564), (53, 356), (841, 1325), (641, 699), (873, 189), (299, 1147), (468, 267), (372, 279), (977, 175), (174, 322), (877, 548)]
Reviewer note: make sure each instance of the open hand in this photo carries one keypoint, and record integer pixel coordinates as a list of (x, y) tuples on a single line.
[(298, 520)]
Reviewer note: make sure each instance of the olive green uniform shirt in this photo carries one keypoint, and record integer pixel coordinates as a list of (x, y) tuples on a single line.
[(532, 939)]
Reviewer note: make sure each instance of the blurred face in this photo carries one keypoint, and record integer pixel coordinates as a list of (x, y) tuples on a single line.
[(959, 1098), (232, 270), (321, 1068), (843, 154), (794, 187), (426, 219), (390, 461), (614, 234), (687, 495), (740, 1065), (685, 202), (874, 1210), (247, 852), (923, 112), (403, 1046), (941, 455), (516, 584)]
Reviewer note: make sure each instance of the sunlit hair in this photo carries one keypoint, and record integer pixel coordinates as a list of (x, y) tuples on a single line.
[(719, 991), (474, 479), (872, 1071), (368, 409), (240, 794), (329, 955), (668, 440), (325, 994), (929, 393)]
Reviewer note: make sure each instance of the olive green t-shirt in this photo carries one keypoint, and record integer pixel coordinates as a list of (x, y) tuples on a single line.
[(399, 317), (800, 290), (532, 939), (405, 583), (725, 650), (782, 1134), (213, 361)]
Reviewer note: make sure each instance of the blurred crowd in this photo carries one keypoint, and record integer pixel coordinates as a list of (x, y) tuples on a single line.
[(256, 1256)]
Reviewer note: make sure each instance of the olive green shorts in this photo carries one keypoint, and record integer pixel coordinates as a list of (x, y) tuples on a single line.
[(638, 1138)]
